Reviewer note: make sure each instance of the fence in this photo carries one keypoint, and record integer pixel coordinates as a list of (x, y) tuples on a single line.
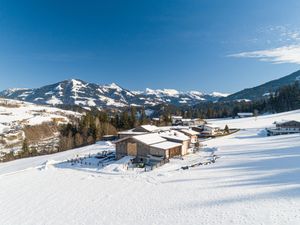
[(159, 164), (147, 167)]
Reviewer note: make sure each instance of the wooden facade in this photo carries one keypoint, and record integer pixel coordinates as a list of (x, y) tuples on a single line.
[(185, 144), (132, 147)]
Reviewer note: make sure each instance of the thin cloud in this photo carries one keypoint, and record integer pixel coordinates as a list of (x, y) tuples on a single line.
[(284, 54)]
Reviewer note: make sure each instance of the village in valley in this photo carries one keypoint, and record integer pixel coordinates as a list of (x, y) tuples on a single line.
[(142, 148), (147, 147)]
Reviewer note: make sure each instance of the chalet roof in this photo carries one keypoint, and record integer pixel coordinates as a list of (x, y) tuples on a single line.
[(186, 120), (150, 128), (211, 125), (282, 122), (131, 132), (206, 132), (174, 135), (189, 132), (245, 114), (149, 139), (122, 139), (176, 117), (166, 145)]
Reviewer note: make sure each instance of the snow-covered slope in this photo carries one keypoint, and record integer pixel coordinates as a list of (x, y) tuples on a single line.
[(15, 115), (78, 92), (256, 180), (31, 114), (257, 122)]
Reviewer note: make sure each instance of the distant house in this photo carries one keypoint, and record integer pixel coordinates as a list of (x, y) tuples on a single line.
[(285, 127), (146, 128), (245, 114), (176, 120), (210, 130), (146, 147), (184, 122), (194, 122), (143, 129), (193, 135), (156, 120)]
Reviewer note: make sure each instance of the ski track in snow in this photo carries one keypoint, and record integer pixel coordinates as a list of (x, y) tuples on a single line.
[(256, 180)]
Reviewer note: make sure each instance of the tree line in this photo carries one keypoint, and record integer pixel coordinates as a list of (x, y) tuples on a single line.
[(85, 131), (284, 99)]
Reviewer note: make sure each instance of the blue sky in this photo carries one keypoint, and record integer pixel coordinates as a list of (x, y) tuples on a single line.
[(204, 45)]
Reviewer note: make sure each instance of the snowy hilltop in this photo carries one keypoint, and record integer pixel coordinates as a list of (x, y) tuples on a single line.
[(22, 120)]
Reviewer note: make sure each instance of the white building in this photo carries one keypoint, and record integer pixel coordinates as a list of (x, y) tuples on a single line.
[(284, 127), (245, 114), (210, 130), (176, 120), (192, 134)]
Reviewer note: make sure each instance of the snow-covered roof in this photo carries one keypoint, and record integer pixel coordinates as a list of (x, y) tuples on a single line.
[(150, 128), (245, 114), (149, 139), (129, 132), (156, 119), (190, 131), (285, 121), (186, 120), (211, 125), (166, 145), (174, 135), (176, 117)]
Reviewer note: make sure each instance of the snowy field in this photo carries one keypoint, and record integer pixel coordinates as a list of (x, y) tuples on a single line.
[(257, 122), (256, 180)]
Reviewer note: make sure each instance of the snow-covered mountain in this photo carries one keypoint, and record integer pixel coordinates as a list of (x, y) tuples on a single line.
[(175, 97), (78, 92), (264, 90)]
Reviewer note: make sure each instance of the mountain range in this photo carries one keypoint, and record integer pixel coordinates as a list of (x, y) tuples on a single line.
[(78, 92)]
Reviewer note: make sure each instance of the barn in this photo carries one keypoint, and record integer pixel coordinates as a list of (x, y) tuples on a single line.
[(146, 146)]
